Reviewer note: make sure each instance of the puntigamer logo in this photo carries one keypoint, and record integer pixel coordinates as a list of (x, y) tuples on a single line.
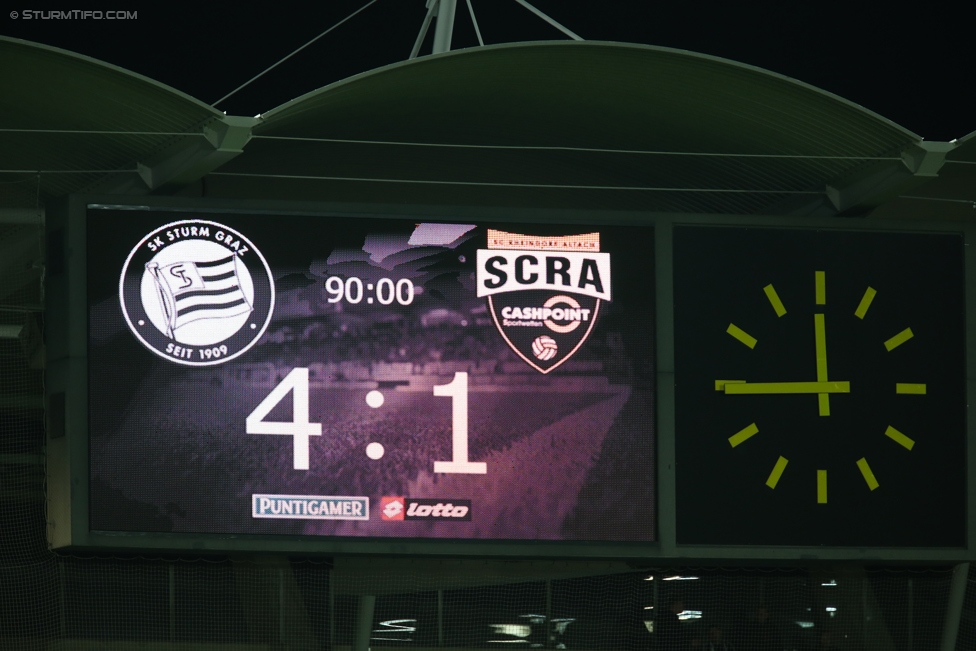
[(544, 292), (309, 507), (196, 292)]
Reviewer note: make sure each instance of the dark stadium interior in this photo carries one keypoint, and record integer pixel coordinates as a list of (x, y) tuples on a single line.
[(617, 512)]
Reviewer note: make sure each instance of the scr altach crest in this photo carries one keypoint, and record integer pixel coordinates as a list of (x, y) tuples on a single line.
[(196, 292), (544, 292)]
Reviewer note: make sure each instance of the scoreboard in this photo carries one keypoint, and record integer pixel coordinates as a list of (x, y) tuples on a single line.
[(381, 378), (306, 378)]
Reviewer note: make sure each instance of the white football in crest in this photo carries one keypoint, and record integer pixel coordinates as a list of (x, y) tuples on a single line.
[(544, 348)]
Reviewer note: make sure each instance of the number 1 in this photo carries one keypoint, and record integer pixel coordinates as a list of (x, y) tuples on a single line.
[(457, 391), (299, 427)]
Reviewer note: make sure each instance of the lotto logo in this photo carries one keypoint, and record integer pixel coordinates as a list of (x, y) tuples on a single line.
[(391, 508), (410, 508), (437, 509)]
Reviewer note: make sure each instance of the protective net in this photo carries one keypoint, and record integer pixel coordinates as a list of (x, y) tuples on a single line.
[(77, 602)]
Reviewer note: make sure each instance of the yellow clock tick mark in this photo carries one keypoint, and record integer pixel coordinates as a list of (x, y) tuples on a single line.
[(743, 435), (899, 438), (862, 307), (821, 487), (774, 300), (741, 335), (865, 469), (910, 389), (777, 472), (899, 339), (820, 283)]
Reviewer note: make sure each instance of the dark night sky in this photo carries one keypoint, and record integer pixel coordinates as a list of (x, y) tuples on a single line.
[(913, 66)]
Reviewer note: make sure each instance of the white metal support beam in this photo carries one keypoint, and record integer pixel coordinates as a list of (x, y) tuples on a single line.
[(444, 30), (431, 12), (565, 30), (474, 21)]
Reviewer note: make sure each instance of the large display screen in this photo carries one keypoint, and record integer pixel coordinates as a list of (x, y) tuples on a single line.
[(327, 376), (821, 387)]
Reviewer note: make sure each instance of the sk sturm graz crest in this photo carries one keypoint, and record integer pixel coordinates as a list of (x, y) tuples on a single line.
[(544, 292), (196, 292)]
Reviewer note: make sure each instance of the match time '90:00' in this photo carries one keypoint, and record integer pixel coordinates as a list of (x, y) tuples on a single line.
[(386, 290)]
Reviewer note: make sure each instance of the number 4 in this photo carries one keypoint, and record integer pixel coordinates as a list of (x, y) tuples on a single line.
[(299, 427)]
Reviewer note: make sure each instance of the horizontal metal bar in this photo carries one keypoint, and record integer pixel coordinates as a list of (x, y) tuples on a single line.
[(105, 133), (22, 308), (454, 146), (21, 402), (133, 170), (601, 150), (23, 216), (22, 459), (22, 496), (972, 201), (302, 177)]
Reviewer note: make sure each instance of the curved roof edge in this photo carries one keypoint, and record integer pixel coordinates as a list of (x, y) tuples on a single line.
[(96, 63), (273, 113)]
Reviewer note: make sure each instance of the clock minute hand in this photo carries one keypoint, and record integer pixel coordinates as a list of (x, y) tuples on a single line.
[(752, 388), (820, 341)]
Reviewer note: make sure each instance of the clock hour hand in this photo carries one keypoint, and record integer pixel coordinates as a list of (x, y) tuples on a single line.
[(736, 387)]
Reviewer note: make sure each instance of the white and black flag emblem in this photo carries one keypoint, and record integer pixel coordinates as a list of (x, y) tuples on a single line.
[(196, 292), (544, 292)]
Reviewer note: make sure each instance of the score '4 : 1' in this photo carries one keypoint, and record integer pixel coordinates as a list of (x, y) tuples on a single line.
[(300, 429)]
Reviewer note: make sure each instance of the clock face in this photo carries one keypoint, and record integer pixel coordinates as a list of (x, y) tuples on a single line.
[(820, 387)]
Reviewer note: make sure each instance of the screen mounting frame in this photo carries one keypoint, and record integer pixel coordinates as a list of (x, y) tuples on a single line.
[(67, 378)]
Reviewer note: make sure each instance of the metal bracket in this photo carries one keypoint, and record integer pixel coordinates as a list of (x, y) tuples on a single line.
[(926, 158), (859, 193), (186, 162)]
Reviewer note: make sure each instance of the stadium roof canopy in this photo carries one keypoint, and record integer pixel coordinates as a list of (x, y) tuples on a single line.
[(553, 124)]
